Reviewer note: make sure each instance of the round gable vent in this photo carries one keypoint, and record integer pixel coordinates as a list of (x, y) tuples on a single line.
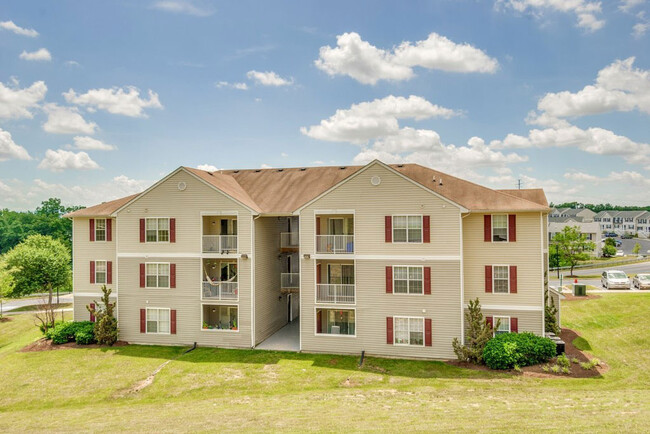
[(182, 186), (375, 180)]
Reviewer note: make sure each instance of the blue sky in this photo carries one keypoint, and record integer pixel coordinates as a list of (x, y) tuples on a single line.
[(100, 99)]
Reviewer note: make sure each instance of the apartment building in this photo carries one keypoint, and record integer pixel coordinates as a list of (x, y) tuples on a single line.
[(377, 258), (624, 221), (579, 214)]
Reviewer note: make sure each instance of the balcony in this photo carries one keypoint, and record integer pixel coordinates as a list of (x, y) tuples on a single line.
[(335, 234), (289, 241), (289, 282), (219, 243), (335, 244), (220, 290), (219, 234), (334, 293)]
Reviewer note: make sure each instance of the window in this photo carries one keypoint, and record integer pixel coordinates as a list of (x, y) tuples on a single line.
[(220, 317), (504, 324), (158, 321), (407, 280), (409, 331), (335, 322), (501, 279), (100, 272), (100, 229), (340, 274), (157, 275), (499, 228), (407, 229), (157, 230)]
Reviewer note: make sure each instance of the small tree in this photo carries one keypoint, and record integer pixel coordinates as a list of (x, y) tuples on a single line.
[(550, 315), (6, 284), (573, 246), (636, 249), (609, 249), (105, 323), (478, 334)]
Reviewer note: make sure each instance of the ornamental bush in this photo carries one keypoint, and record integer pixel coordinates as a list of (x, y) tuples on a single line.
[(507, 350), (68, 331)]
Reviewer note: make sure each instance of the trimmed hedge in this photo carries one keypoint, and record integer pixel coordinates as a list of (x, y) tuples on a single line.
[(81, 332), (507, 350)]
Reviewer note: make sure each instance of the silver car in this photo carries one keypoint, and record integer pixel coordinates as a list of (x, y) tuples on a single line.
[(612, 279), (641, 281)]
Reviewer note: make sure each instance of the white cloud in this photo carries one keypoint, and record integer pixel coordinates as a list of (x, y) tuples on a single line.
[(66, 120), (265, 166), (268, 78), (207, 167), (586, 11), (60, 160), (72, 63), (9, 149), (184, 7), (284, 155), (628, 5), (379, 118), (9, 25), (626, 178), (640, 29), (40, 55), (122, 101), (16, 103), (238, 86), (368, 64), (85, 143)]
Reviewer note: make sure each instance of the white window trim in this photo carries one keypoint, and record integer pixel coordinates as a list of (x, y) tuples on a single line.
[(494, 278), (494, 324), (335, 307), (146, 320), (168, 226), (408, 285), (392, 223), (105, 282), (220, 330), (507, 240), (424, 331), (105, 231), (169, 277)]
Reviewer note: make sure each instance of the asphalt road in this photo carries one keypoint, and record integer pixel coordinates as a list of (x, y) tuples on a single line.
[(20, 302), (643, 267), (628, 245)]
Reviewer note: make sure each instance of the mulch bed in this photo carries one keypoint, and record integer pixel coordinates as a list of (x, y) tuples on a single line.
[(571, 297), (47, 345), (568, 336)]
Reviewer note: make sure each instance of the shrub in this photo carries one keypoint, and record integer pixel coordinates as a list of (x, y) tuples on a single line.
[(566, 370), (478, 334), (84, 338), (575, 360), (106, 331), (555, 369), (67, 331), (506, 350), (563, 361)]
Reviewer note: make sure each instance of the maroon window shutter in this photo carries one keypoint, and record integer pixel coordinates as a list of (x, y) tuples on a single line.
[(514, 325), (318, 273), (512, 228), (488, 278), (428, 340), (319, 321), (487, 228), (92, 317), (426, 229), (92, 229), (317, 225), (172, 321), (389, 280), (143, 320), (388, 228), (142, 230), (142, 276), (172, 230), (389, 330), (489, 321), (92, 271), (513, 279), (109, 272), (109, 229), (427, 280), (172, 275)]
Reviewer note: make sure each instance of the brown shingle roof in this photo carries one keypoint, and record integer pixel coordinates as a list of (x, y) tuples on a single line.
[(282, 191)]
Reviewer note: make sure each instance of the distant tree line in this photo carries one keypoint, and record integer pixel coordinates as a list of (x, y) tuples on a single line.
[(600, 207)]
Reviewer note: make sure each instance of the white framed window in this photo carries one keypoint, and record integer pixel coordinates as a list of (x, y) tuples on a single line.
[(407, 228), (100, 229), (100, 272), (504, 324), (220, 317), (501, 279), (408, 331), (499, 228), (157, 230), (157, 274), (408, 279), (158, 321)]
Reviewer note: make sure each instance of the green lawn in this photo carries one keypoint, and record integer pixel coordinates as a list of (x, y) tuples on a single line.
[(215, 389)]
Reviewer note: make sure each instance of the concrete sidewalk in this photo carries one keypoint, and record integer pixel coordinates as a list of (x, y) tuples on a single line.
[(285, 339)]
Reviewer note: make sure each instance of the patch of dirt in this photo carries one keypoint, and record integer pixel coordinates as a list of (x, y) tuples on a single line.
[(350, 383), (5, 319), (137, 387), (571, 297), (47, 345)]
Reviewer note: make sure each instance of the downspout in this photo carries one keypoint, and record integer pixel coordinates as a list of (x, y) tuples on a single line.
[(462, 278)]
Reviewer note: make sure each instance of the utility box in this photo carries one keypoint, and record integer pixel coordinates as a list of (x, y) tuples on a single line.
[(579, 290)]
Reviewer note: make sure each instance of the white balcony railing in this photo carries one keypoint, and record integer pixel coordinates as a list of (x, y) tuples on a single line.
[(220, 291), (335, 244), (289, 240), (219, 243), (335, 293), (289, 280)]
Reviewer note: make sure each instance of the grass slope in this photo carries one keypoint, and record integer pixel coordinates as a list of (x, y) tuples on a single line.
[(217, 389)]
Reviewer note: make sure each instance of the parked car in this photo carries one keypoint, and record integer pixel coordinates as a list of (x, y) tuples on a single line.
[(618, 243), (620, 253), (611, 279), (610, 234), (641, 281)]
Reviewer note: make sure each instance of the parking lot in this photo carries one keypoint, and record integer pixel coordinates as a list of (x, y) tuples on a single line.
[(643, 267), (628, 245)]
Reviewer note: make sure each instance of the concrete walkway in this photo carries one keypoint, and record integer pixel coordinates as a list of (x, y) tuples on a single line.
[(285, 339)]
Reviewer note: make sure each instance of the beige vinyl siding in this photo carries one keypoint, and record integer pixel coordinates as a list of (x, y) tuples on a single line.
[(527, 321), (270, 305), (185, 299), (525, 253), (166, 200)]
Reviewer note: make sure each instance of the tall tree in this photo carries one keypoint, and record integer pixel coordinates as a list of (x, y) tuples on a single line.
[(573, 246)]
